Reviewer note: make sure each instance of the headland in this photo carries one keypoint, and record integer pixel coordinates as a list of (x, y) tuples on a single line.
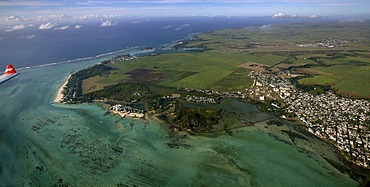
[(188, 91)]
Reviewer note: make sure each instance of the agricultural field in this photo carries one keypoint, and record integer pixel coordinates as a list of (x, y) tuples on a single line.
[(346, 72), (348, 80), (207, 70), (334, 54)]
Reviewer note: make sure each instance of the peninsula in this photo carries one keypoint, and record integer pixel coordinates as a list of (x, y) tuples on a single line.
[(299, 72)]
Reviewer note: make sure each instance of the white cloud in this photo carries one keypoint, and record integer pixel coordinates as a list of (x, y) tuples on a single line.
[(16, 27), (295, 16), (283, 15), (28, 36), (314, 16), (62, 28), (90, 16), (182, 27), (46, 26), (167, 27), (41, 18), (78, 26), (52, 17), (279, 15), (61, 16), (15, 18), (108, 24)]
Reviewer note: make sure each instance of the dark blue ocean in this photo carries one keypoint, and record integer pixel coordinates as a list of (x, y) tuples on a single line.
[(31, 46)]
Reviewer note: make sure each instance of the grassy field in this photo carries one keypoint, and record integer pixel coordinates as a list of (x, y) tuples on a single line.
[(236, 81), (207, 70), (344, 67), (346, 71), (348, 80)]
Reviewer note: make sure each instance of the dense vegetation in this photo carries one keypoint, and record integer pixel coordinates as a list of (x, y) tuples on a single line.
[(195, 119)]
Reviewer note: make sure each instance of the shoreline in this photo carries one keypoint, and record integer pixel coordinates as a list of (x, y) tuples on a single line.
[(359, 170), (60, 95)]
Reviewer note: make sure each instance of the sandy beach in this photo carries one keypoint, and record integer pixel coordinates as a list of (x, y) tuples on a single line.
[(59, 95)]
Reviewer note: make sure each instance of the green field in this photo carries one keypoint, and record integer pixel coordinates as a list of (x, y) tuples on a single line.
[(236, 81), (347, 72), (348, 80), (344, 67), (207, 70)]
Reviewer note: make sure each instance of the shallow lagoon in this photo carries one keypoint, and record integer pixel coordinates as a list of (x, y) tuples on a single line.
[(45, 144)]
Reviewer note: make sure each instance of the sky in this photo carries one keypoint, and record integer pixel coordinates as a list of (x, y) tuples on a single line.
[(39, 9)]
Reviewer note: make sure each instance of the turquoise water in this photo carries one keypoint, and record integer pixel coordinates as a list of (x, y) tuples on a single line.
[(45, 144)]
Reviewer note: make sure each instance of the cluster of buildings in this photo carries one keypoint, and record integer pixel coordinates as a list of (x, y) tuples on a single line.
[(339, 120), (122, 58), (192, 98), (238, 94), (127, 111), (328, 43), (269, 86), (342, 121), (199, 99)]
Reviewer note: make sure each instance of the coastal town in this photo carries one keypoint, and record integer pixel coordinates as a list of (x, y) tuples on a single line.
[(328, 43), (342, 121)]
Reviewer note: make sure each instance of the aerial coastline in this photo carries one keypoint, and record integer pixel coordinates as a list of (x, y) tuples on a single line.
[(59, 94), (185, 93), (177, 105)]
